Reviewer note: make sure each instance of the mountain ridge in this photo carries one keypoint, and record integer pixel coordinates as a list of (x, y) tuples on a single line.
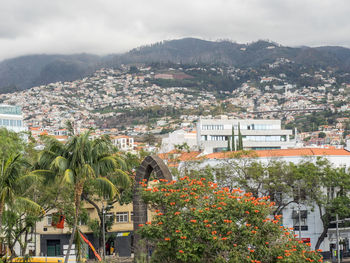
[(24, 72)]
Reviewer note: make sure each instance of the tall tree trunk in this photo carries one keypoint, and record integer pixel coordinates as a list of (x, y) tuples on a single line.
[(321, 237), (77, 197), (326, 218)]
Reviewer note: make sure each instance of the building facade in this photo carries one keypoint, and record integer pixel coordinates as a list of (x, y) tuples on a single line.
[(11, 118), (213, 134)]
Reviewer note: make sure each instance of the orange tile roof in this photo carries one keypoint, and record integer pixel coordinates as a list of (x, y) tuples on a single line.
[(174, 157), (284, 153)]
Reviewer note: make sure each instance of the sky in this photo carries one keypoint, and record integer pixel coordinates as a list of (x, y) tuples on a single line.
[(116, 26)]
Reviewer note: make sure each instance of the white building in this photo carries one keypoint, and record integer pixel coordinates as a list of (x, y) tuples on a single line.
[(213, 134), (124, 143), (11, 118), (179, 137)]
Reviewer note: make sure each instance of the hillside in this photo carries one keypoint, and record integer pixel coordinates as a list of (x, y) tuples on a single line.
[(28, 71)]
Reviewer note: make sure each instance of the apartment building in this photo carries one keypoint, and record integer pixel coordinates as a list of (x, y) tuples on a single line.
[(213, 134), (52, 237), (124, 143), (11, 118)]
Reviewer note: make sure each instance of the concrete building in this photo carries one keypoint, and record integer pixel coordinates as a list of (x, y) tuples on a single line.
[(213, 134), (11, 118), (52, 238), (124, 143), (179, 137)]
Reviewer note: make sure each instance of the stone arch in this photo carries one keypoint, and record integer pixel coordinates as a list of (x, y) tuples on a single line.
[(149, 164)]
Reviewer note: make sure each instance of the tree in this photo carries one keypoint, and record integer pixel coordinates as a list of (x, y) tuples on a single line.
[(321, 186), (196, 221), (13, 176), (240, 139), (10, 143), (228, 143), (79, 162), (233, 139), (322, 135)]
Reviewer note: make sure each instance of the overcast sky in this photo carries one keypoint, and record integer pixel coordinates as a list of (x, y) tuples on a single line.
[(114, 26)]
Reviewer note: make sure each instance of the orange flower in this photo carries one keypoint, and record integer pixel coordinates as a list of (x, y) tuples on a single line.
[(177, 213), (183, 237), (140, 225), (193, 221), (279, 257), (177, 231), (181, 251), (167, 239)]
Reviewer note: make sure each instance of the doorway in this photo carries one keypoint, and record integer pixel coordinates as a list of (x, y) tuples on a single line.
[(53, 248)]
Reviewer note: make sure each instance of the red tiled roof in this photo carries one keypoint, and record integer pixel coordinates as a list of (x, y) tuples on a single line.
[(284, 153)]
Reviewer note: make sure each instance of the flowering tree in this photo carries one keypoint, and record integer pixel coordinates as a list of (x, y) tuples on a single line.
[(196, 221)]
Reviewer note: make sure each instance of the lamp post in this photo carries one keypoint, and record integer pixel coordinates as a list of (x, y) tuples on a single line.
[(103, 231)]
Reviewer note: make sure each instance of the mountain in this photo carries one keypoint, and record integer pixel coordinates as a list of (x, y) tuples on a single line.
[(28, 71)]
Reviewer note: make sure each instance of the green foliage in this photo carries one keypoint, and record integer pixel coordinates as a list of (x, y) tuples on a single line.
[(197, 221), (322, 135), (10, 143)]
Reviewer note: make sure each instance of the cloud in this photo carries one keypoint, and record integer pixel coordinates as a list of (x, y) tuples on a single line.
[(112, 26)]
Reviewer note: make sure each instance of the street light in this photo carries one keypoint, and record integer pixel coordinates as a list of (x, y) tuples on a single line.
[(108, 207), (103, 232)]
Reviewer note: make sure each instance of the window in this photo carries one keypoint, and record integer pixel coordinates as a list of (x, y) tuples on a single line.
[(132, 216), (122, 217), (212, 127), (303, 220), (5, 122), (49, 220), (109, 217), (19, 123)]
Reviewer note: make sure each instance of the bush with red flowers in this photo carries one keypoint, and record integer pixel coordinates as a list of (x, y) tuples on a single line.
[(195, 221)]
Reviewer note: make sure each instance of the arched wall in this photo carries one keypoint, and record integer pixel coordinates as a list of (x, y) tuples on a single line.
[(149, 164)]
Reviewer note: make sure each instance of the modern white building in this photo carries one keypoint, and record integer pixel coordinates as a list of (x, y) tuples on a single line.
[(179, 137), (213, 134), (11, 118)]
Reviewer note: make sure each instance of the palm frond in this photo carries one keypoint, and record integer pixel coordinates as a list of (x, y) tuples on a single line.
[(87, 171), (28, 206), (120, 179), (105, 187), (59, 163), (68, 177)]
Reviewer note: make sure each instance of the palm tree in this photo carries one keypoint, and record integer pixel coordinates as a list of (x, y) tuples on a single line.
[(80, 161), (13, 177)]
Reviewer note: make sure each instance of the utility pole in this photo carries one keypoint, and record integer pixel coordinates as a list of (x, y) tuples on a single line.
[(338, 249), (103, 232)]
